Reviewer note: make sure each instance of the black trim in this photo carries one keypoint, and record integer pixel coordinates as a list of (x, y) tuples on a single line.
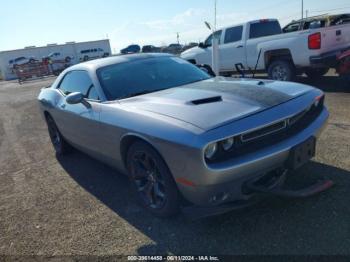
[(328, 59)]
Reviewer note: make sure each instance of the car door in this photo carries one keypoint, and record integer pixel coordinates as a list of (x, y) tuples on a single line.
[(232, 50), (79, 123)]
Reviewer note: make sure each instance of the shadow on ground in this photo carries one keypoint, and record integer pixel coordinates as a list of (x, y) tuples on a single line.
[(317, 225), (332, 84)]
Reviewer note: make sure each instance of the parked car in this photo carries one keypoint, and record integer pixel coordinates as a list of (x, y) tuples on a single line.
[(179, 133), (150, 49), (316, 22), (173, 49), (57, 56), (261, 45), (93, 53), (131, 49), (189, 46), (21, 61)]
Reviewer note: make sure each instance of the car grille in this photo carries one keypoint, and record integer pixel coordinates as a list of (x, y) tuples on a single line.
[(261, 132), (272, 134)]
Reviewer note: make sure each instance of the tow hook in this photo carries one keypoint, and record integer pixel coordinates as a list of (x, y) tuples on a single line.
[(308, 191)]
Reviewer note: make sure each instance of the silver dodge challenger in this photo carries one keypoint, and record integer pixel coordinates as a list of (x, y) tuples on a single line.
[(187, 140)]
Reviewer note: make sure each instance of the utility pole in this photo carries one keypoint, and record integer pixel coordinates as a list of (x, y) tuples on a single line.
[(215, 45), (178, 37), (302, 9), (307, 13), (215, 12)]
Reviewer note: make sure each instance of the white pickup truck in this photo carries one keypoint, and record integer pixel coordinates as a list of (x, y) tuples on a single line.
[(282, 55)]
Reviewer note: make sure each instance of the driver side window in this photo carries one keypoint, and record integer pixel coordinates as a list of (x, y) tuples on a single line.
[(209, 40), (78, 81)]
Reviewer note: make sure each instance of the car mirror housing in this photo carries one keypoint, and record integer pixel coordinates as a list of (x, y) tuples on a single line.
[(201, 45), (77, 98)]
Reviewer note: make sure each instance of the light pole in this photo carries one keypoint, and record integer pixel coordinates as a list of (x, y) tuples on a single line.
[(302, 9), (215, 43)]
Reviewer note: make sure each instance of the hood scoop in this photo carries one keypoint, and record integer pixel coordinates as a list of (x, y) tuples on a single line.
[(208, 100)]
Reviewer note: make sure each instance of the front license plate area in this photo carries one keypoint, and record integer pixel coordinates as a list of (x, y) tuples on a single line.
[(301, 154)]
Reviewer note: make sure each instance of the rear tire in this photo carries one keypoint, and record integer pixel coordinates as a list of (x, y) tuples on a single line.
[(314, 73), (281, 70), (151, 179), (59, 143)]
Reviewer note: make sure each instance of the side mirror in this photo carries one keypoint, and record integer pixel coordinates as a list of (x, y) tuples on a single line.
[(202, 45), (77, 98)]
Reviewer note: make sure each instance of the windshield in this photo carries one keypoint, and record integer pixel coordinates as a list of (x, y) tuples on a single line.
[(147, 75)]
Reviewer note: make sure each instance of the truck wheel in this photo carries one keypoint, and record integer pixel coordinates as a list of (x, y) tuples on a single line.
[(281, 70), (316, 72), (152, 180)]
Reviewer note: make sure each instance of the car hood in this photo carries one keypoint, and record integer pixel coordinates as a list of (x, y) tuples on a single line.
[(218, 101)]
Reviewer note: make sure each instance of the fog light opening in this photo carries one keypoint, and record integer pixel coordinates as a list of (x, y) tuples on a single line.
[(218, 198)]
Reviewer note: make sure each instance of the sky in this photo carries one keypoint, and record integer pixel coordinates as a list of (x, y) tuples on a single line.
[(41, 22)]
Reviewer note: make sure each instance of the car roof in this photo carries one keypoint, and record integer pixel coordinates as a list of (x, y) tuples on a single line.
[(102, 62)]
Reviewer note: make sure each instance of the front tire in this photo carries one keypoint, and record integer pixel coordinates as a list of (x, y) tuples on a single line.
[(281, 70), (152, 180), (59, 143)]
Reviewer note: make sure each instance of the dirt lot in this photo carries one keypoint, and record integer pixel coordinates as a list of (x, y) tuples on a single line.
[(76, 205)]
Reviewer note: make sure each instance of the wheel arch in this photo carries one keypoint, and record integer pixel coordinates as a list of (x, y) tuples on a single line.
[(278, 54), (192, 61), (128, 140)]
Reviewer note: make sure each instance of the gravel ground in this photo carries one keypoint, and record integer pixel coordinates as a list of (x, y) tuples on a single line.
[(78, 206)]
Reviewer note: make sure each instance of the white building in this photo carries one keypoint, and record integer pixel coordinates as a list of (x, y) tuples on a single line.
[(79, 51)]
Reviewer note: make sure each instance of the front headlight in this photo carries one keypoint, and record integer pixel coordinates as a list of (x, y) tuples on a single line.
[(228, 143), (211, 150)]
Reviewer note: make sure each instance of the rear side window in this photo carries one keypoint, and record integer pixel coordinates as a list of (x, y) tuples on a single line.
[(262, 29), (233, 34), (76, 81)]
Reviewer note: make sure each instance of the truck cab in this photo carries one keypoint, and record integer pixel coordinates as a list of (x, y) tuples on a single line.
[(237, 44)]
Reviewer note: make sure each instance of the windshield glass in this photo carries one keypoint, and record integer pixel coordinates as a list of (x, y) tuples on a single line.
[(147, 75)]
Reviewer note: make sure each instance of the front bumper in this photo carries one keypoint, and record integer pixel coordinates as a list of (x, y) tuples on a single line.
[(328, 59), (225, 181)]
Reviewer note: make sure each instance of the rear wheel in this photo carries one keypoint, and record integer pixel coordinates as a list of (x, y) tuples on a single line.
[(316, 72), (152, 180), (281, 70), (59, 143)]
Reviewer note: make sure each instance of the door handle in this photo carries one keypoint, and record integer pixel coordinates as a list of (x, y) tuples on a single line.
[(240, 46)]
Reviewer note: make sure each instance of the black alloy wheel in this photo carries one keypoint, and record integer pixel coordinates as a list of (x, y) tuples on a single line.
[(152, 180), (60, 145)]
